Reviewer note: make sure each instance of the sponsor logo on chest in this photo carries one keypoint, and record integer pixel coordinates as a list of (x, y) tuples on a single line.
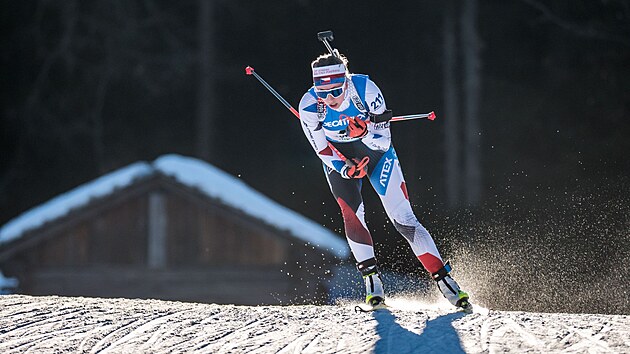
[(341, 121)]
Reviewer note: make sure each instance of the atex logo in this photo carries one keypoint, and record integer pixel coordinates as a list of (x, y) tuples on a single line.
[(387, 168)]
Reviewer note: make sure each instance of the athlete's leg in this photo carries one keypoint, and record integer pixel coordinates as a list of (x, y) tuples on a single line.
[(347, 192), (388, 181)]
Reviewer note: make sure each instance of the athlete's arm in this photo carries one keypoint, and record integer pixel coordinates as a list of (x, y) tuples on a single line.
[(379, 136), (315, 133)]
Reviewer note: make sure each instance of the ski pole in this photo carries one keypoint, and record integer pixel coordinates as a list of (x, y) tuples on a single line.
[(250, 71), (429, 116)]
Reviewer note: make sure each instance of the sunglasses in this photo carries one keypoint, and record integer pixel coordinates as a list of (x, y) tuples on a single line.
[(335, 92)]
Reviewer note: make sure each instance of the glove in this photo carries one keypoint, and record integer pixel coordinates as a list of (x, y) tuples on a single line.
[(355, 168), (357, 128)]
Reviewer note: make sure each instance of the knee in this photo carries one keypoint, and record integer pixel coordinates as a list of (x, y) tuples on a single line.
[(408, 231), (404, 217)]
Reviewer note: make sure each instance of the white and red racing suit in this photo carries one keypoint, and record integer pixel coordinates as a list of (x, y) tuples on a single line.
[(326, 129)]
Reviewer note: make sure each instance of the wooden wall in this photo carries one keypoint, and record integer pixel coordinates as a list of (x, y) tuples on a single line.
[(213, 235), (197, 233), (115, 236), (212, 253)]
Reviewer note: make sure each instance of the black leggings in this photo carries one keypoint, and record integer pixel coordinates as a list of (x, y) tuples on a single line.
[(387, 179)]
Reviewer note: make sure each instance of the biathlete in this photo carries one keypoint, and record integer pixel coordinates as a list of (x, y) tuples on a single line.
[(344, 117)]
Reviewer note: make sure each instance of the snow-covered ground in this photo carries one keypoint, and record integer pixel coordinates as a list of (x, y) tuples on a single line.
[(92, 325)]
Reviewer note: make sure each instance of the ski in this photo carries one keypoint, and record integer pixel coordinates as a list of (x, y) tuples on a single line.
[(369, 308)]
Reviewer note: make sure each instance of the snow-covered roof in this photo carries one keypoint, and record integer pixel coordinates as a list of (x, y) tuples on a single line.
[(75, 198), (192, 172)]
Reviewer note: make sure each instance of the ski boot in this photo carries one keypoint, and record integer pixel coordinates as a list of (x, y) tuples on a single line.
[(375, 296), (450, 289)]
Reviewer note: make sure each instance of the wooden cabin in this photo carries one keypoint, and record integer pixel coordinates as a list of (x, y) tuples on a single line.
[(163, 233)]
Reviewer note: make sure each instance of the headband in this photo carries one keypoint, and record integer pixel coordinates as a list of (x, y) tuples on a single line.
[(330, 74)]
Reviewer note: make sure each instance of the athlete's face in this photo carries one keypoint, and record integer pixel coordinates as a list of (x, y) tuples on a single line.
[(330, 100)]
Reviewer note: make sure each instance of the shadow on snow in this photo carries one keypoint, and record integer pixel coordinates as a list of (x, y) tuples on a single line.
[(438, 336)]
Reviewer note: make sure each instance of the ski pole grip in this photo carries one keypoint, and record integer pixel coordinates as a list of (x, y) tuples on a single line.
[(325, 36), (386, 116)]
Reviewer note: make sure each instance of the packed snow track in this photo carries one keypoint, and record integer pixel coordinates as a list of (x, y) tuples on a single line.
[(92, 325)]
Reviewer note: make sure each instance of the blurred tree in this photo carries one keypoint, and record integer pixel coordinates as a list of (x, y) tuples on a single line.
[(472, 95), (468, 181), (207, 66), (602, 20), (452, 124), (89, 73)]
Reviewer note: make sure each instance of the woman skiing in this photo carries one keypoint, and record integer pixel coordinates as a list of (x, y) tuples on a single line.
[(346, 121)]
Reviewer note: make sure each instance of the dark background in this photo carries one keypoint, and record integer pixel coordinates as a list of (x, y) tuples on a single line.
[(91, 86)]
